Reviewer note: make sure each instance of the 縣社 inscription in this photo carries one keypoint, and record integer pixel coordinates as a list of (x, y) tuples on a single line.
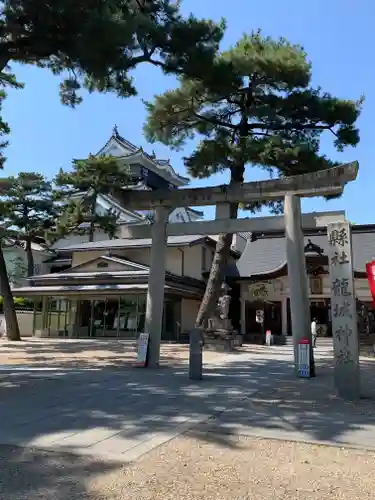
[(343, 308)]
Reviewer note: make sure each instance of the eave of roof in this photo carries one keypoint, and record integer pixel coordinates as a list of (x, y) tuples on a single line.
[(58, 260), (195, 211), (9, 243), (118, 244), (97, 289), (266, 254), (133, 271), (72, 272)]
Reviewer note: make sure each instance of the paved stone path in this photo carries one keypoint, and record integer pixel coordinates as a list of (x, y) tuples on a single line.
[(304, 411), (123, 413), (70, 433), (120, 413)]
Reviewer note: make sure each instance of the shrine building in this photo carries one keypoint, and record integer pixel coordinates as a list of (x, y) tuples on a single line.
[(259, 279)]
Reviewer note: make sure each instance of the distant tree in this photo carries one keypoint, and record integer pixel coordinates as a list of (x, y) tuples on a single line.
[(13, 332), (88, 179), (30, 210), (271, 118), (5, 289)]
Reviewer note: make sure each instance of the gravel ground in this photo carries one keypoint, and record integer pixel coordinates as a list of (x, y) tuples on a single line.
[(251, 469), (86, 353), (193, 468)]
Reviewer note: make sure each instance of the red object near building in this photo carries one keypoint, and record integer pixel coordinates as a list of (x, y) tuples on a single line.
[(370, 269)]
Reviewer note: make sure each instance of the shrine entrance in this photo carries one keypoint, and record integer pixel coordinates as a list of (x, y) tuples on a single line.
[(320, 309), (272, 320), (322, 183)]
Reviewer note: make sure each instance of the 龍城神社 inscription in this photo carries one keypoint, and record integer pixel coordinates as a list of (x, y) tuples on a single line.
[(340, 287), (343, 308)]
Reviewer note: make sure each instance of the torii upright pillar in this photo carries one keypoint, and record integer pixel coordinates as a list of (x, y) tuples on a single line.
[(156, 282), (297, 278)]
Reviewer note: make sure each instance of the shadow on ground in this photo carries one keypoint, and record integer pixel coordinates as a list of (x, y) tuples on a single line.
[(305, 410), (73, 353), (42, 475), (250, 393)]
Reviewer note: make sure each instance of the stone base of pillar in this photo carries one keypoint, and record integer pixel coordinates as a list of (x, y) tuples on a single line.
[(220, 345), (222, 340), (41, 334), (238, 340), (44, 333)]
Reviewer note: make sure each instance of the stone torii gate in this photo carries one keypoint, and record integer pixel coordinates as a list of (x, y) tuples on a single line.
[(291, 190)]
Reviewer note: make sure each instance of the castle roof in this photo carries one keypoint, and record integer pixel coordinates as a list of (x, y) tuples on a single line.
[(124, 149)]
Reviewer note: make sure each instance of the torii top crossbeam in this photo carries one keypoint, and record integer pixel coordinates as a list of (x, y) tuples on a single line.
[(322, 183)]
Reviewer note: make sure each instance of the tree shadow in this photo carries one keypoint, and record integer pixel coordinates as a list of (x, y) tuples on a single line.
[(131, 404), (113, 410), (87, 353), (306, 410), (45, 475), (65, 345)]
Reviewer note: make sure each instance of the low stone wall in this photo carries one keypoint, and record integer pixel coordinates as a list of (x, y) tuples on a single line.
[(25, 323)]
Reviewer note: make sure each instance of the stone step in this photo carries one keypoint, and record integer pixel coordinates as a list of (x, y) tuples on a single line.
[(322, 341)]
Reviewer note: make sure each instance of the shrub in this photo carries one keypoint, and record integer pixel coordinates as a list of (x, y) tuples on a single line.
[(20, 303)]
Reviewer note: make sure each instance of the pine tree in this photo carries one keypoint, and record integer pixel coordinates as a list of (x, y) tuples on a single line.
[(10, 315), (97, 42), (30, 210), (13, 332), (270, 118), (89, 178)]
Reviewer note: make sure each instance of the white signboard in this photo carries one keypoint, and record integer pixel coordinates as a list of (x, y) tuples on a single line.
[(142, 349), (3, 326), (259, 316), (343, 310)]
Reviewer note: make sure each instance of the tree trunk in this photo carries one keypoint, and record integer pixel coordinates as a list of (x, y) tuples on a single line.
[(92, 218), (4, 59), (219, 264), (13, 332), (30, 258), (91, 232), (216, 277)]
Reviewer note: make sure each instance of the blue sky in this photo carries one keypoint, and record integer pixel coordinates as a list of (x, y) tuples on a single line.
[(337, 35)]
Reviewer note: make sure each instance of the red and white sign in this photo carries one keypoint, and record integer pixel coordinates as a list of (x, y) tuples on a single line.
[(370, 269), (268, 337), (304, 358)]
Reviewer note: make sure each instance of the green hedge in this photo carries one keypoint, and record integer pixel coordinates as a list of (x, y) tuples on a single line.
[(20, 303)]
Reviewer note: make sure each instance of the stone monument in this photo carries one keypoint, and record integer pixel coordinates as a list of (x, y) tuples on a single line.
[(344, 311), (220, 333)]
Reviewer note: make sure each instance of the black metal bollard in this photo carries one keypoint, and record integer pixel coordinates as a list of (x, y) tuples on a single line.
[(196, 354)]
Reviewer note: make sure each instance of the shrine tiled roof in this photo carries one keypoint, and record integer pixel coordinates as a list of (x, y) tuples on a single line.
[(183, 240), (266, 254)]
